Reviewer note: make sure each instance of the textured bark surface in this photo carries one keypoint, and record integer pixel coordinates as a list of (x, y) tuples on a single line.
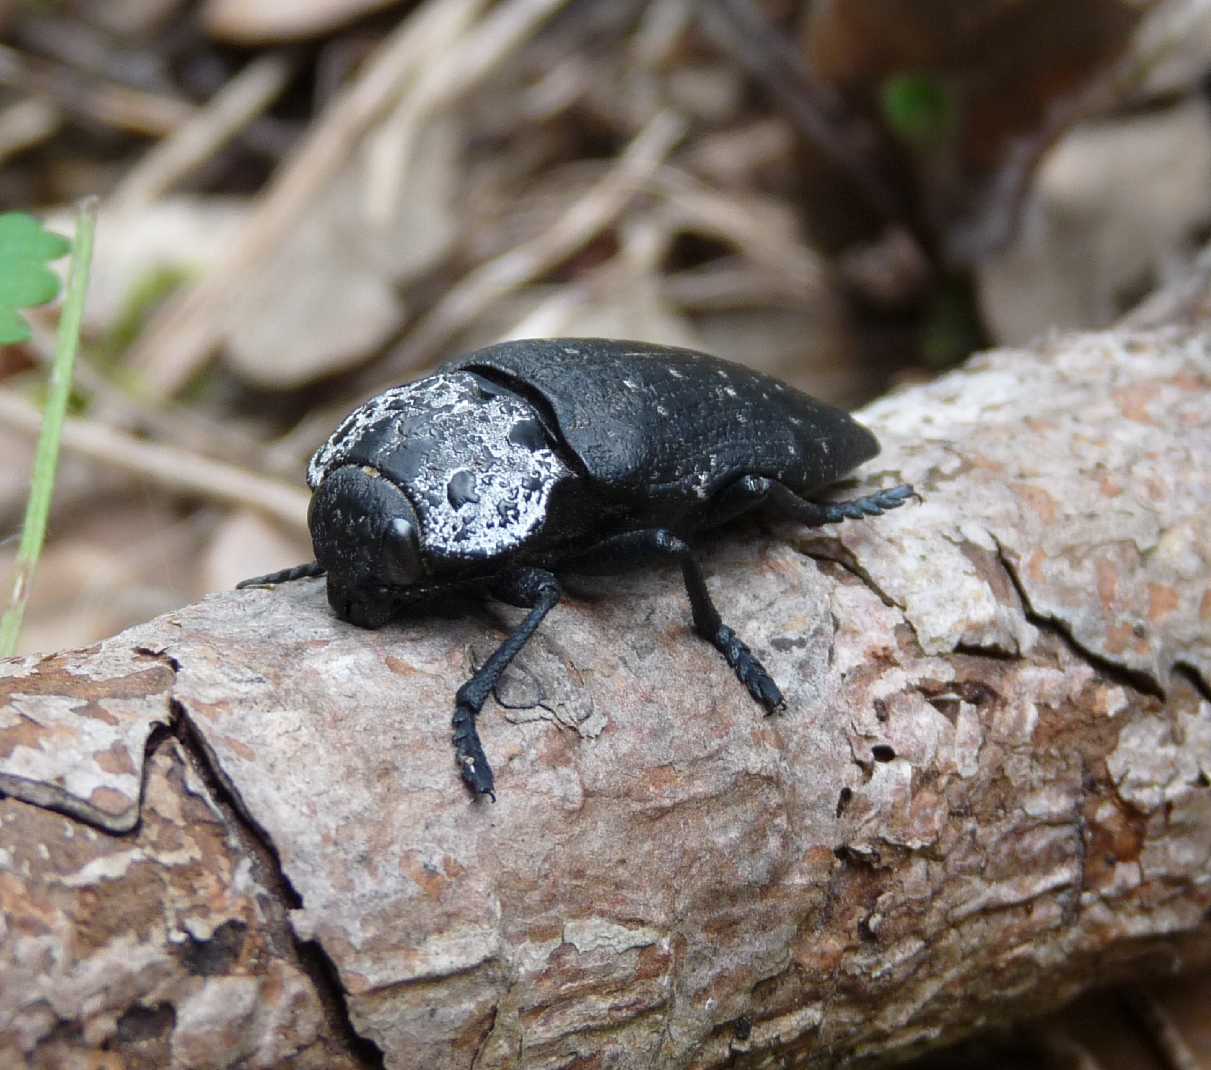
[(236, 835)]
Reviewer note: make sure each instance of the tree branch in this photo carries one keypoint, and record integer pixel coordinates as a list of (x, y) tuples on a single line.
[(989, 792)]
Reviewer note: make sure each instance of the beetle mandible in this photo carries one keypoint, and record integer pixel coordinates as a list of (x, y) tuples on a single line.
[(577, 455)]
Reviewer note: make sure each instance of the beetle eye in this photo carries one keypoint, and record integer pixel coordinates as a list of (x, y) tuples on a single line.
[(401, 553)]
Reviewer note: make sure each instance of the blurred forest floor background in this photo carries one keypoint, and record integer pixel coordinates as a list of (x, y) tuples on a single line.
[(304, 201)]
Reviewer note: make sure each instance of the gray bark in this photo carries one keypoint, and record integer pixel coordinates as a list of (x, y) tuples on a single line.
[(236, 836)]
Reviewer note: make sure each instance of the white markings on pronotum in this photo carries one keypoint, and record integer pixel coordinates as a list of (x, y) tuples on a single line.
[(443, 425)]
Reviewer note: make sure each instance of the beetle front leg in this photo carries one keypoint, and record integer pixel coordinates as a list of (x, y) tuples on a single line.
[(539, 591), (300, 572), (631, 548)]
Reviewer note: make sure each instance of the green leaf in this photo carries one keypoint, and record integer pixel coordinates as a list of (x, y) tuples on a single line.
[(920, 108), (46, 456), (25, 280), (951, 329)]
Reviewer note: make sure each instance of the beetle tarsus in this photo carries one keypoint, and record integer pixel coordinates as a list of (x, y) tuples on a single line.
[(870, 505), (815, 514), (473, 764), (749, 670)]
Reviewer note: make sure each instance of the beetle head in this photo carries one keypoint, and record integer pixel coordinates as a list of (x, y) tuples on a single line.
[(367, 537)]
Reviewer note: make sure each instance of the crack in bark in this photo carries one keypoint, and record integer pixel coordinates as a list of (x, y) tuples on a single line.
[(310, 956), (479, 1048), (1071, 911), (61, 801), (1134, 679), (846, 559)]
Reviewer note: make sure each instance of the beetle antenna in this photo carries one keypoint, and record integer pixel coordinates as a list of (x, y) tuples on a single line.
[(299, 572)]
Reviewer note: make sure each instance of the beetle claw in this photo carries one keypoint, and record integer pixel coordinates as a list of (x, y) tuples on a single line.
[(469, 754), (769, 694), (894, 497)]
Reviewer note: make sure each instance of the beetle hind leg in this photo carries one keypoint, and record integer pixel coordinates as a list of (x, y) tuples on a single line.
[(814, 514)]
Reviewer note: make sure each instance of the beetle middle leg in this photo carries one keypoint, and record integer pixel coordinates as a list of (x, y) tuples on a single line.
[(534, 589), (624, 551)]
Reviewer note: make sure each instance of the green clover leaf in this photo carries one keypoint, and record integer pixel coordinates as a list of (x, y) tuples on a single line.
[(25, 280)]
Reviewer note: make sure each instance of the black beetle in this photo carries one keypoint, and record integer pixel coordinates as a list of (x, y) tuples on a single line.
[(580, 455)]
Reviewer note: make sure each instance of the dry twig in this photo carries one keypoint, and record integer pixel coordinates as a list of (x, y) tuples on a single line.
[(181, 425), (27, 123), (449, 75), (240, 101), (184, 334), (188, 330), (113, 105), (743, 30), (481, 288), (171, 467), (583, 221)]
